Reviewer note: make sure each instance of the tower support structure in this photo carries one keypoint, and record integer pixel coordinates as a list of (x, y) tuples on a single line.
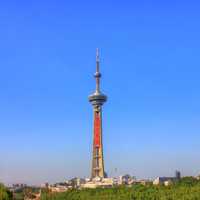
[(97, 99)]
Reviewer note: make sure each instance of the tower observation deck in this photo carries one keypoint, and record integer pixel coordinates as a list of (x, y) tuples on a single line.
[(97, 99)]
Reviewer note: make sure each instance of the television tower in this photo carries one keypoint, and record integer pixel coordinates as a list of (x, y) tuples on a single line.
[(97, 100)]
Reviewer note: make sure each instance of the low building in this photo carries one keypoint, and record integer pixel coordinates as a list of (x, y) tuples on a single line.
[(143, 182), (76, 182), (164, 180), (99, 182), (126, 180), (167, 183), (59, 188), (167, 180)]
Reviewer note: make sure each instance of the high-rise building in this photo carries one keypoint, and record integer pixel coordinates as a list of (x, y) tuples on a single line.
[(177, 175), (97, 100)]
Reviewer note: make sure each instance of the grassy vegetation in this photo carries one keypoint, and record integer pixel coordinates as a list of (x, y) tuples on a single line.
[(186, 189)]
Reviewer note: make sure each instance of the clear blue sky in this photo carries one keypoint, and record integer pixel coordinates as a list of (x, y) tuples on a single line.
[(151, 67)]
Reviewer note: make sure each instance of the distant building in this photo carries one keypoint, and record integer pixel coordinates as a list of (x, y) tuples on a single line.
[(126, 180), (99, 182), (198, 177), (163, 180), (167, 180), (143, 182), (17, 186), (76, 182), (178, 175), (59, 188)]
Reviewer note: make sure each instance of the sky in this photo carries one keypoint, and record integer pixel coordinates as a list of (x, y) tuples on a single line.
[(149, 52)]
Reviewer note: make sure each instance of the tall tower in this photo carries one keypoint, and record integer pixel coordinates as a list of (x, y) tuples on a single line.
[(97, 100)]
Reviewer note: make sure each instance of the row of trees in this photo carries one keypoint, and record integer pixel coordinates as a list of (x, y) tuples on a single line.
[(185, 189), (19, 194), (26, 192)]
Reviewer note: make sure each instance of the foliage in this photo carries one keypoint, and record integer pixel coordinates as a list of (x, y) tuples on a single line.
[(26, 193), (185, 189), (5, 194)]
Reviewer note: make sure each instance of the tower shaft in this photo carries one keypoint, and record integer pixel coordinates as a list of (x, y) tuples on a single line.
[(97, 157)]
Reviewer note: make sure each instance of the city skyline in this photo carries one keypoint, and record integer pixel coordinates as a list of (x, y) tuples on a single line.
[(150, 62)]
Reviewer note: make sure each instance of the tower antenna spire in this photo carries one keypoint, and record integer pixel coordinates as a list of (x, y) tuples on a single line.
[(97, 74), (97, 59)]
